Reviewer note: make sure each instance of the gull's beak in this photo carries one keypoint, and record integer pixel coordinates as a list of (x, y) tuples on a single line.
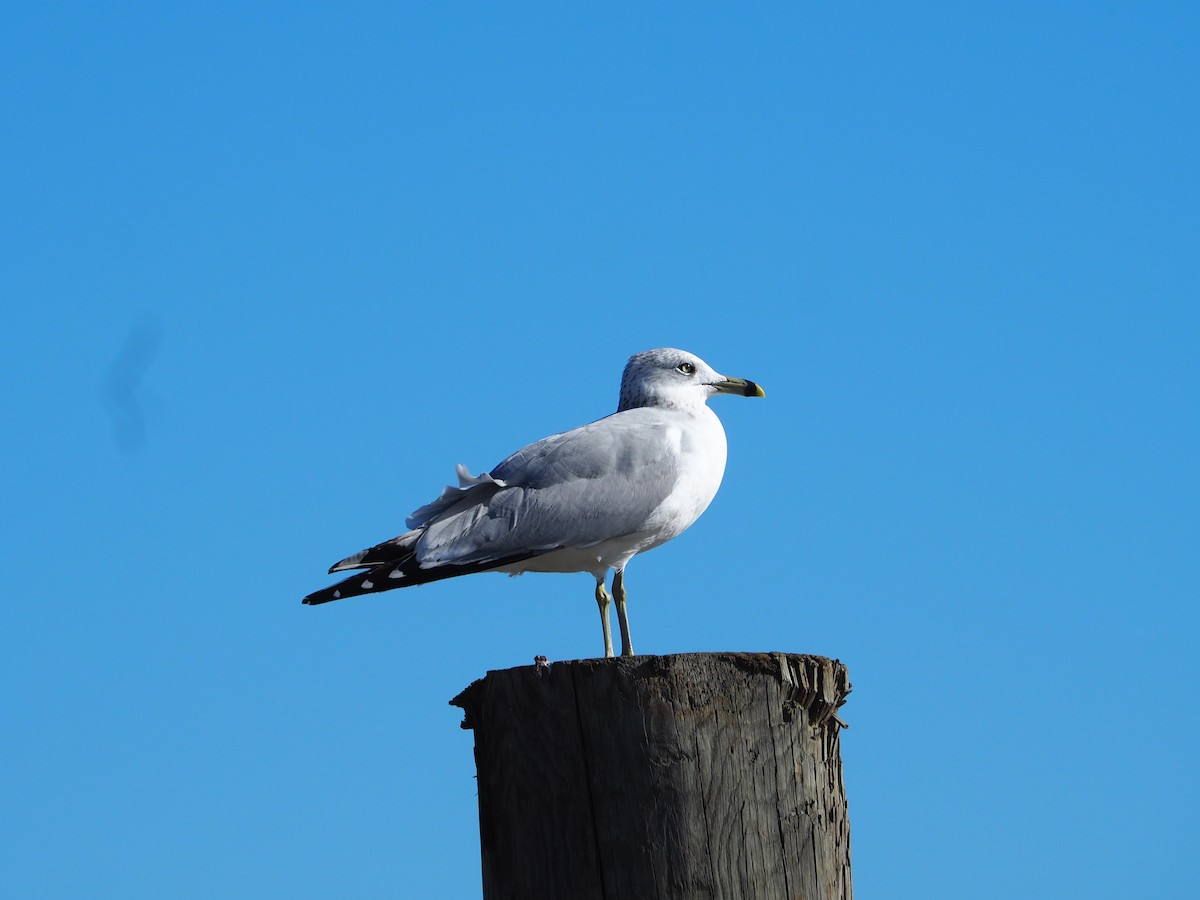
[(739, 386)]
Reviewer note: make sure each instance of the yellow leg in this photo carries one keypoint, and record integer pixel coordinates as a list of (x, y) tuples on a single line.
[(622, 615), (602, 602)]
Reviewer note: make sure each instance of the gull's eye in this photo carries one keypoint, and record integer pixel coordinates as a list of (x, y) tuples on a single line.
[(686, 368)]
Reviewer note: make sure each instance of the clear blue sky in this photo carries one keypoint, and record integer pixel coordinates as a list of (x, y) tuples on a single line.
[(325, 252)]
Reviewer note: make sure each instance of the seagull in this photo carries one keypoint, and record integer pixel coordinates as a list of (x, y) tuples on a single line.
[(586, 500)]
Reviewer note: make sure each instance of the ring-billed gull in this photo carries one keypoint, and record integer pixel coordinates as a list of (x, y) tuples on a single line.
[(586, 500)]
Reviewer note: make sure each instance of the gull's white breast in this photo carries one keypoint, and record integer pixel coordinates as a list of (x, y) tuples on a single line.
[(699, 442)]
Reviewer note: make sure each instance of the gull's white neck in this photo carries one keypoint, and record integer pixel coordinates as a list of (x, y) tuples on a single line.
[(683, 400)]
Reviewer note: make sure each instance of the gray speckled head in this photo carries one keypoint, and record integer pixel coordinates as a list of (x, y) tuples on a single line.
[(676, 379)]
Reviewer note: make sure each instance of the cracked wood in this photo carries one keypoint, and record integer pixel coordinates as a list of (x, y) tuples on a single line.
[(703, 775)]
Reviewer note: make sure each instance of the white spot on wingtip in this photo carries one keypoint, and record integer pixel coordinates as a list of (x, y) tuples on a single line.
[(367, 585), (395, 573)]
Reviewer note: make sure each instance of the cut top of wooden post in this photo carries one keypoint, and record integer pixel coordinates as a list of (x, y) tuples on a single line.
[(691, 775)]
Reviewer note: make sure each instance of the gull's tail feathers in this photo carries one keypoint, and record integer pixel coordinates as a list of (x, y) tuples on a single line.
[(471, 489), (394, 563), (401, 571), (397, 550), (380, 578)]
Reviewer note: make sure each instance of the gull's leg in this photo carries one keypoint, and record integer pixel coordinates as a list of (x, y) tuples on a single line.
[(602, 602), (622, 616)]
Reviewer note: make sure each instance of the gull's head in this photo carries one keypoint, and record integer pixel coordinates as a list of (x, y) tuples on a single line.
[(676, 378)]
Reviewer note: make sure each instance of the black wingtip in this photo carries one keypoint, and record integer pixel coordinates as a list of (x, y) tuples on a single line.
[(322, 596), (402, 574)]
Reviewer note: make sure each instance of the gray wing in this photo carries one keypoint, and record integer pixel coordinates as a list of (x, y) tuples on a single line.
[(573, 489)]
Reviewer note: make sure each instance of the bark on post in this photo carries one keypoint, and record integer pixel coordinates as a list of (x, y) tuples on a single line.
[(700, 775)]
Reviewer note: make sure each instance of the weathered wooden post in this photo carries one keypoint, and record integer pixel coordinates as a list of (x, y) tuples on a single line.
[(699, 775)]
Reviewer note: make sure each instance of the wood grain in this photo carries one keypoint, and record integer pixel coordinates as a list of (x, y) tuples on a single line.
[(704, 775)]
